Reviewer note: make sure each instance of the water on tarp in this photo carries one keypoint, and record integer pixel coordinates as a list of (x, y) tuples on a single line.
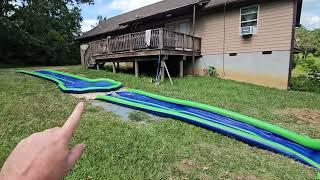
[(121, 111)]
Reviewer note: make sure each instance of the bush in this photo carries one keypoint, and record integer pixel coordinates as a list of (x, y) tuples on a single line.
[(312, 64), (306, 83)]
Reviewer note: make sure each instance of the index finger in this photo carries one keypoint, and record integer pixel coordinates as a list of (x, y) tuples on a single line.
[(73, 121)]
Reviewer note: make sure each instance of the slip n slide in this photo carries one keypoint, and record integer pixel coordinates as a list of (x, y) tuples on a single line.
[(249, 130), (69, 83)]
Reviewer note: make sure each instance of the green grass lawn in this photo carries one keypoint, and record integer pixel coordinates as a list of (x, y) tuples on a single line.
[(166, 149)]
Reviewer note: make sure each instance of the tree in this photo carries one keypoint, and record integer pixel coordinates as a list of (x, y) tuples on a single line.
[(43, 31), (308, 41), (101, 19)]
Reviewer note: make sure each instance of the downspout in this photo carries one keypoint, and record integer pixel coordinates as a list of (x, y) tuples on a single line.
[(294, 21), (193, 34), (224, 38)]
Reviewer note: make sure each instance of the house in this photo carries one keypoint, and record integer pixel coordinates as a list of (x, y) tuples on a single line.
[(244, 40)]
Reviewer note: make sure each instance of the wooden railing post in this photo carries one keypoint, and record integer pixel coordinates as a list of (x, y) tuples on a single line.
[(108, 45), (131, 42), (183, 42), (161, 38)]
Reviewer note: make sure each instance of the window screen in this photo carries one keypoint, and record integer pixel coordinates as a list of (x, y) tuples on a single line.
[(249, 16)]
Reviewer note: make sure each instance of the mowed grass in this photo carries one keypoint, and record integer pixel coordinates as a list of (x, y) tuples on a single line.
[(166, 149)]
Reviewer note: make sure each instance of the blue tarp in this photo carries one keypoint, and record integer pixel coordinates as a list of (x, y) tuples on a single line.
[(301, 153)]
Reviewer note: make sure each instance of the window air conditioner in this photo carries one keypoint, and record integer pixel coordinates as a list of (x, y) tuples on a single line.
[(247, 31)]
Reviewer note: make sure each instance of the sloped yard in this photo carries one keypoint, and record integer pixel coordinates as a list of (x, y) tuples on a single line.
[(166, 149)]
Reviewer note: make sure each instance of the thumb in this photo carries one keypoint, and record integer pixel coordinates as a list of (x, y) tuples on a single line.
[(75, 154)]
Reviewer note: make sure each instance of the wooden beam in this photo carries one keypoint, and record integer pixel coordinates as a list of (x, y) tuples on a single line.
[(136, 68), (161, 38), (153, 52), (181, 68), (162, 70), (108, 45), (193, 33), (114, 67), (168, 73)]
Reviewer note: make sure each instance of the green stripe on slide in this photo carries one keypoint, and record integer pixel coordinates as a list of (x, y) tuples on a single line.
[(302, 140), (64, 88), (208, 123)]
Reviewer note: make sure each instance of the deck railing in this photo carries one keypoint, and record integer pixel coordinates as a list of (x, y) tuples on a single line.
[(159, 39)]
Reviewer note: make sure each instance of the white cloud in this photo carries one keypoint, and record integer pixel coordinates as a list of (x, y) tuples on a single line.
[(310, 17), (311, 22), (128, 5), (88, 24), (103, 7), (16, 3)]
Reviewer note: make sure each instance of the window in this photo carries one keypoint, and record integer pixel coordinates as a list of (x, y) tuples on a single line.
[(180, 26), (184, 28), (249, 16)]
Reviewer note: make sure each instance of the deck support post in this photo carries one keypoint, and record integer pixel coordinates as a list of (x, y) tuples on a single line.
[(162, 71), (136, 68), (114, 67), (98, 66), (162, 68), (181, 66), (193, 34), (118, 66)]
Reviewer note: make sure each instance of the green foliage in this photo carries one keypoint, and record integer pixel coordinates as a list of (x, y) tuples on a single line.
[(212, 71), (310, 62), (310, 79), (306, 83), (307, 63), (308, 41), (40, 31), (101, 19)]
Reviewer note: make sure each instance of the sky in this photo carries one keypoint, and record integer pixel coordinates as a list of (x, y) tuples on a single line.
[(109, 8)]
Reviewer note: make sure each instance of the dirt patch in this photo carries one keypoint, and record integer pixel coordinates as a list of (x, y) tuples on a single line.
[(246, 178), (205, 177), (306, 115), (60, 69), (88, 96), (92, 96), (188, 166), (82, 75)]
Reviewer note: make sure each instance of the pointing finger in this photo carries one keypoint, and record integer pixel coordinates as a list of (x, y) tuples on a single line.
[(73, 121)]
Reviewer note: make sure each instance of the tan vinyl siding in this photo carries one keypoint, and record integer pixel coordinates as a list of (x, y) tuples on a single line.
[(274, 30)]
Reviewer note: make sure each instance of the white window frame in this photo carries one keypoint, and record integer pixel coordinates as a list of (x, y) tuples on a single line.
[(258, 12)]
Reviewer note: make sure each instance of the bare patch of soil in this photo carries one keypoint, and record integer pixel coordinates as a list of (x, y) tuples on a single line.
[(188, 166), (60, 69), (82, 75), (205, 177), (306, 115), (246, 178), (92, 96), (88, 96)]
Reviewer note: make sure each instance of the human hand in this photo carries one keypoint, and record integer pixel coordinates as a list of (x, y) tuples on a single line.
[(45, 155)]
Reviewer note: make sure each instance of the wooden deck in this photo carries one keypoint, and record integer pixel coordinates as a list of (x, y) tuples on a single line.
[(141, 46), (160, 41)]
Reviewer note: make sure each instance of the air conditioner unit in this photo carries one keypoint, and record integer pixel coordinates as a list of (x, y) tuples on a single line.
[(247, 30)]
